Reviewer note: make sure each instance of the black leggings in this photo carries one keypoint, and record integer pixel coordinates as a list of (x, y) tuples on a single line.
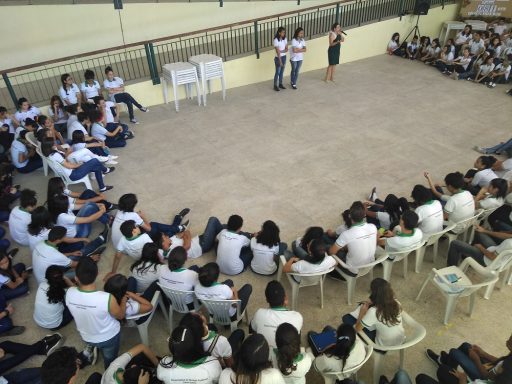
[(499, 216)]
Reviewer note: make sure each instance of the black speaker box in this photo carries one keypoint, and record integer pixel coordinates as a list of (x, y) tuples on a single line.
[(421, 7)]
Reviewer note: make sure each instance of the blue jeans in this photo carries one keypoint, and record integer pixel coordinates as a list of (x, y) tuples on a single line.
[(109, 349), (88, 209), (85, 249), (112, 126), (4, 243), (279, 70), (6, 322), (207, 239), (169, 229), (20, 290), (24, 376), (92, 165), (461, 356), (33, 163), (502, 147), (295, 71)]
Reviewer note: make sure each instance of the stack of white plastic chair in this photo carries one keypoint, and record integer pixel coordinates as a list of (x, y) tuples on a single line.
[(209, 67), (180, 74)]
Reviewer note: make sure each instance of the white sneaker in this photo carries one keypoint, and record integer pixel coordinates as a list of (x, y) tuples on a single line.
[(103, 159), (112, 157), (111, 162)]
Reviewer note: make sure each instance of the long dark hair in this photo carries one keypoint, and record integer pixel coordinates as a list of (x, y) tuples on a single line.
[(57, 205), (63, 79), (296, 33), (278, 33), (395, 206), (345, 340), (311, 234), (269, 234), (251, 360), (394, 36), (7, 272), (501, 185), (117, 286), (55, 110), (185, 346), (383, 298), (40, 219), (288, 348), (55, 187), (56, 284), (316, 252), (149, 259)]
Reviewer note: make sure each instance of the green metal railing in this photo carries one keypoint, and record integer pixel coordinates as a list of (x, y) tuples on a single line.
[(143, 61)]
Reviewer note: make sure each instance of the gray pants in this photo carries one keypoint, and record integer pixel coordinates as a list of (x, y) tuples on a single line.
[(460, 250)]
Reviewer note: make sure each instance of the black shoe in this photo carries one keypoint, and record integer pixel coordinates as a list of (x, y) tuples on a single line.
[(335, 275), (52, 342), (184, 226), (294, 86), (13, 252), (14, 331), (282, 86), (109, 170), (105, 232), (184, 212), (383, 380), (106, 188), (112, 207), (434, 357), (129, 135), (276, 88), (97, 251)]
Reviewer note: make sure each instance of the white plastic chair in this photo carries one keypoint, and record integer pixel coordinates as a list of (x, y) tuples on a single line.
[(331, 377), (502, 263), (416, 334), (58, 169), (180, 73), (462, 285), (306, 280), (468, 226), (178, 302), (395, 257), (219, 312), (209, 67), (433, 240), (363, 270), (143, 328), (31, 138)]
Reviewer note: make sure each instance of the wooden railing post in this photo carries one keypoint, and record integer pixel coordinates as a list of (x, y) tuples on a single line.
[(256, 40), (10, 89)]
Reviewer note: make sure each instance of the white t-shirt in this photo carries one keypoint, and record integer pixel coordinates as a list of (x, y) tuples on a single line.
[(67, 220), (430, 217), (90, 309), (461, 38), (147, 277), (45, 255), (263, 258), (133, 246), (69, 96), (17, 148), (204, 371), (266, 321), (61, 117), (41, 236), (76, 126), (459, 206), (302, 366), (483, 178), (58, 158), (267, 376), (31, 113), (361, 241), (475, 46), (500, 68), (392, 45), (120, 218), (71, 119), (222, 348), (8, 121), (281, 44), (181, 279), (216, 292), (116, 82), (109, 116), (384, 219), (132, 307), (19, 219), (450, 56), (297, 56), (90, 90), (119, 364), (4, 280), (195, 249), (401, 241), (228, 252), (486, 69), (47, 315), (499, 29), (325, 364), (412, 46), (99, 132), (303, 266), (387, 335), (491, 202)]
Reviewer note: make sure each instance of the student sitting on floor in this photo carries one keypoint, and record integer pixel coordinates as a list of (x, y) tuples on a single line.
[(411, 52), (13, 278), (444, 60), (432, 52), (82, 154), (90, 88), (146, 270), (266, 247), (132, 367), (20, 217), (484, 71), (110, 114), (61, 367), (233, 252), (459, 65), (394, 47), (25, 111), (429, 211), (493, 195), (481, 175), (500, 74), (114, 139), (23, 154)]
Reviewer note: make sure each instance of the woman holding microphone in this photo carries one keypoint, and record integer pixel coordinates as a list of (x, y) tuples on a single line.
[(333, 53)]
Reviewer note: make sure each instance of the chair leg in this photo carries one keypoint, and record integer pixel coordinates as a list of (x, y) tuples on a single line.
[(489, 290), (387, 268), (164, 89), (406, 265), (322, 292), (351, 286), (435, 250), (420, 255), (87, 182), (171, 319), (472, 300), (45, 166), (378, 362), (424, 285), (295, 295), (451, 303), (175, 90), (506, 276), (143, 332), (223, 82), (402, 358), (162, 307), (279, 272)]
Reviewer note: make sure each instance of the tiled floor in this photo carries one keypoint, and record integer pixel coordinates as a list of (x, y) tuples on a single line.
[(300, 158)]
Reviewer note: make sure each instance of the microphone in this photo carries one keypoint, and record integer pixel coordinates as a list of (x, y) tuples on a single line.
[(344, 33)]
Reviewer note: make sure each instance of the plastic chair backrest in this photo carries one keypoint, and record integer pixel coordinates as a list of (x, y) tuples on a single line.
[(434, 237), (178, 298), (31, 138), (502, 262), (366, 268), (466, 223), (219, 310), (348, 372), (154, 303), (400, 255), (310, 276)]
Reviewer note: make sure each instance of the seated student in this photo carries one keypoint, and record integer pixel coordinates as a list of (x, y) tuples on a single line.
[(125, 369), (432, 52), (463, 37), (210, 289), (25, 111), (300, 246), (61, 368), (216, 345), (266, 247), (459, 65), (7, 328), (266, 320), (475, 44), (9, 192), (115, 87), (492, 196), (174, 276), (130, 244), (233, 251), (501, 218), (69, 91), (77, 171), (485, 250), (380, 314), (20, 218), (460, 205), (385, 214), (24, 156), (82, 154), (126, 211), (196, 245), (483, 174), (114, 139), (72, 111), (146, 270), (78, 227), (90, 88), (411, 52), (96, 313), (47, 123), (500, 74), (50, 310), (476, 363), (189, 361), (110, 114), (423, 46), (252, 364), (10, 123), (502, 148), (429, 211), (58, 114), (348, 351), (357, 245), (117, 286), (484, 71), (289, 357), (317, 261), (394, 47), (405, 236), (13, 278), (444, 60)]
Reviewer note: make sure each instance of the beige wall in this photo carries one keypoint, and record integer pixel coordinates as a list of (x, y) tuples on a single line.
[(44, 32)]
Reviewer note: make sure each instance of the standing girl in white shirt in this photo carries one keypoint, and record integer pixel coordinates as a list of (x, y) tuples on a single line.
[(25, 111), (115, 87), (58, 114), (281, 47), (69, 92), (297, 55)]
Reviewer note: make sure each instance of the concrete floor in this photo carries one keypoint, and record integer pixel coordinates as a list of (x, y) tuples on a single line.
[(300, 158)]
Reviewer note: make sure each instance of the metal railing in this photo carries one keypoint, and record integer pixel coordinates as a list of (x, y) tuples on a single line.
[(144, 60)]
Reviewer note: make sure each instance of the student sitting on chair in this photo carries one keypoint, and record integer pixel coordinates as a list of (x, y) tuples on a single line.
[(406, 236), (318, 261), (429, 210)]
